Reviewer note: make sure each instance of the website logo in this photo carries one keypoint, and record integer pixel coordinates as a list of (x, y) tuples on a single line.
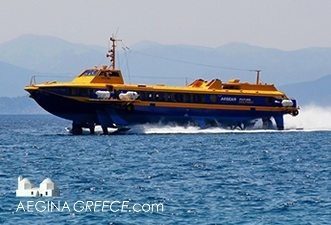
[(48, 188)]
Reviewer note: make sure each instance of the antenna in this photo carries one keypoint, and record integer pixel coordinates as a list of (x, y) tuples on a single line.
[(112, 52), (257, 76)]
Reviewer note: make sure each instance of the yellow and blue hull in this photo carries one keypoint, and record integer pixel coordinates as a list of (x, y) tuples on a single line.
[(87, 111)]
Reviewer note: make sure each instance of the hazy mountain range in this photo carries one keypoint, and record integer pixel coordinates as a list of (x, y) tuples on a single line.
[(316, 92), (301, 73)]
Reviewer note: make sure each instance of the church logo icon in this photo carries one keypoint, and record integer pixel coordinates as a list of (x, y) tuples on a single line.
[(47, 188)]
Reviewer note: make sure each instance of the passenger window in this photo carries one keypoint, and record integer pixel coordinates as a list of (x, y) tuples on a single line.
[(179, 97), (213, 98), (150, 96), (83, 92), (186, 98), (141, 95), (157, 96), (168, 97), (197, 98), (189, 98), (270, 100), (74, 91), (160, 97)]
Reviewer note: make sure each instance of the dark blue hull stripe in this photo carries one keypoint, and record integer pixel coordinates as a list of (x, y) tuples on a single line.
[(109, 114)]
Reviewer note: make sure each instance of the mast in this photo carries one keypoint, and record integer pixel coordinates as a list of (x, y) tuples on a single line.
[(112, 52)]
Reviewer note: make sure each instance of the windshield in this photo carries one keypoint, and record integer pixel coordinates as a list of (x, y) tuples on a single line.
[(89, 73)]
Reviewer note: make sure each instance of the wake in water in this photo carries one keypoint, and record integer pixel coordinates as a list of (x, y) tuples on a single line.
[(311, 118)]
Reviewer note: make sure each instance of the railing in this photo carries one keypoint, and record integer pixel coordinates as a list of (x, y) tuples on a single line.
[(47, 79), (33, 80)]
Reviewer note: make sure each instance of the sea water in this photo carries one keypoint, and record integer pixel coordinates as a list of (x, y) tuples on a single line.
[(208, 176)]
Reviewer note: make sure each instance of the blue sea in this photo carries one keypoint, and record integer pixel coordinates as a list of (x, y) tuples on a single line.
[(199, 177)]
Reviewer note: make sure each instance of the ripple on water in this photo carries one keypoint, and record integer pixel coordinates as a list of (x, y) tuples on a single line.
[(204, 178)]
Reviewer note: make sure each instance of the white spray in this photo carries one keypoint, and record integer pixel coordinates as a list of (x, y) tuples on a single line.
[(310, 118)]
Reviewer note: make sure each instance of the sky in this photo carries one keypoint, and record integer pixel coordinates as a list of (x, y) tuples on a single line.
[(282, 24)]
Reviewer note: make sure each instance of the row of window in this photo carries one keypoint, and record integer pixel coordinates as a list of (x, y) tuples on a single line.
[(168, 96), (202, 98), (143, 95), (83, 92), (177, 97)]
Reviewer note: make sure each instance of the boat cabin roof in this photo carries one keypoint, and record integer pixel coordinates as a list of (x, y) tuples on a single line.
[(235, 84), (103, 74)]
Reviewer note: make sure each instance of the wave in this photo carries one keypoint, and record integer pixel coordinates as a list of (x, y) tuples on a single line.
[(310, 118)]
